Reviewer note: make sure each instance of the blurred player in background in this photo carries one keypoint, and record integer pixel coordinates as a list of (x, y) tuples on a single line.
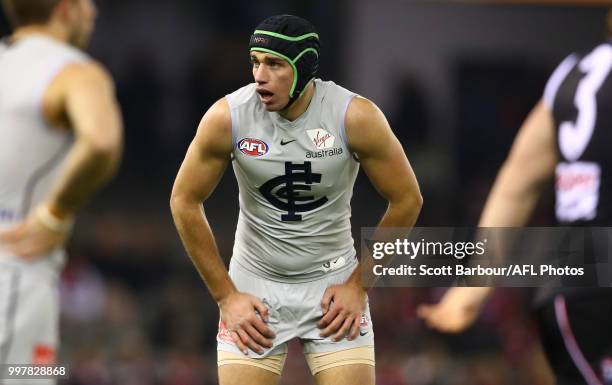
[(567, 136), (60, 141), (295, 143)]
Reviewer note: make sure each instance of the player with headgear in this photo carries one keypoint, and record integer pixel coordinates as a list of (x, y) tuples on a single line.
[(295, 143)]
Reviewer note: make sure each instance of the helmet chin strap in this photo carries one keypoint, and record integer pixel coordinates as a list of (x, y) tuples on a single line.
[(295, 97), (292, 99)]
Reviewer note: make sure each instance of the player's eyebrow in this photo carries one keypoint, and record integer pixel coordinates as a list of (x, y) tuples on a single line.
[(268, 59), (272, 60)]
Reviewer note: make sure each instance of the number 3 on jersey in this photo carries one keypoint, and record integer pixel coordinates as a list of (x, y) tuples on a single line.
[(578, 182), (575, 136)]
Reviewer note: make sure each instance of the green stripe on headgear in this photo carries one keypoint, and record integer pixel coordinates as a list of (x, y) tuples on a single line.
[(294, 40)]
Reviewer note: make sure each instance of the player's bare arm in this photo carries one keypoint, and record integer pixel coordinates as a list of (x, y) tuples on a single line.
[(529, 166), (386, 165), (82, 99), (205, 162)]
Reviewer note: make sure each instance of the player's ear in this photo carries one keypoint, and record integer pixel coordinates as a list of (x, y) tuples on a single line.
[(63, 9), (60, 10)]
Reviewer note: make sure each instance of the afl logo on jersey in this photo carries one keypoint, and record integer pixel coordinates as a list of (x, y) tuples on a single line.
[(253, 147)]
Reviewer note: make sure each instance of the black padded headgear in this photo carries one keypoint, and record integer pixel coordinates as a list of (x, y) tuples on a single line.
[(296, 41)]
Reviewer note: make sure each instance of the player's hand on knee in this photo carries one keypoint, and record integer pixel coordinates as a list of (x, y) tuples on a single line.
[(343, 306), (246, 316), (37, 235)]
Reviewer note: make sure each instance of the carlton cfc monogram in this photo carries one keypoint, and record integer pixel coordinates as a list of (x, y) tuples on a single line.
[(297, 178)]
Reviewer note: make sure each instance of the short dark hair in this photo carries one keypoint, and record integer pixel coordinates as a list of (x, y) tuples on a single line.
[(26, 12)]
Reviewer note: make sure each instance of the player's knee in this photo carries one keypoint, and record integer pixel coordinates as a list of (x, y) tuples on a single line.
[(356, 374)]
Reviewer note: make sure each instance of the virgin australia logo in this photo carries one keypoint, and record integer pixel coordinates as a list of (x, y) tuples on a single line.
[(321, 138)]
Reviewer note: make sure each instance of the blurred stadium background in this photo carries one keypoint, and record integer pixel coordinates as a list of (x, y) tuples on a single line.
[(455, 80)]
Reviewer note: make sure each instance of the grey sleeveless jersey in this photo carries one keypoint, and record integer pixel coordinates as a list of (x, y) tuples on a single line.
[(296, 181), (30, 150)]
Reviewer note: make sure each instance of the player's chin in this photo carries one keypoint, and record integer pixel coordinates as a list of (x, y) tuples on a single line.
[(273, 106)]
